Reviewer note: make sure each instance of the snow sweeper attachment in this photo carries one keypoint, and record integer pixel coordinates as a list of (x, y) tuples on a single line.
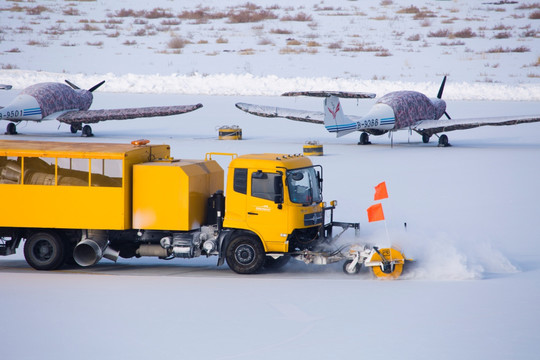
[(385, 263)]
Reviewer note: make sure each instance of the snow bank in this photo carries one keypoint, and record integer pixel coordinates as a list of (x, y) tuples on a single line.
[(270, 85)]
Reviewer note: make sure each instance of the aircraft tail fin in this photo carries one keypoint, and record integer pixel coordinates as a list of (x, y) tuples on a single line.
[(335, 120)]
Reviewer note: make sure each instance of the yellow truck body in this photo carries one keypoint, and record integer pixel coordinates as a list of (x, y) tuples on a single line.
[(79, 202)]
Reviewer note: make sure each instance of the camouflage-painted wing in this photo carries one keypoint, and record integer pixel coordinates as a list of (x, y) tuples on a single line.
[(94, 116), (291, 114), (431, 127), (341, 94)]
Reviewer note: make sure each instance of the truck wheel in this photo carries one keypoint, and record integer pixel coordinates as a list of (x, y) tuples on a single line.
[(44, 251), (274, 264), (245, 255)]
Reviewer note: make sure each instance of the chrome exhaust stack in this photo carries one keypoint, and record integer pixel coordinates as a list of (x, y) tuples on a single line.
[(92, 248)]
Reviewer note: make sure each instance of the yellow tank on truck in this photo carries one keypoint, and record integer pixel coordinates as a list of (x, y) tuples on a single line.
[(173, 194)]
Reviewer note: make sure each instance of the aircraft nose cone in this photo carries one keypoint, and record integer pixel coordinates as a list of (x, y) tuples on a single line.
[(440, 107)]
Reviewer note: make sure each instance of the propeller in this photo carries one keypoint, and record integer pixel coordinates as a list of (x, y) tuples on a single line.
[(441, 89), (78, 88), (72, 85), (99, 84), (439, 94)]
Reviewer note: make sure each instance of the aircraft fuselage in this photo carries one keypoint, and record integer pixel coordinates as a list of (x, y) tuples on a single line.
[(37, 102), (402, 109)]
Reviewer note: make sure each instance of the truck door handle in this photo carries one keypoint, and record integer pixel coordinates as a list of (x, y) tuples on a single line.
[(252, 213)]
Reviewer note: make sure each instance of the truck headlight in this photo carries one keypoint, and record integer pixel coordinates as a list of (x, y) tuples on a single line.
[(333, 203)]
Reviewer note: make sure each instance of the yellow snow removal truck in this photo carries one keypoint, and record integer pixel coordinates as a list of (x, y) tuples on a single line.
[(75, 203)]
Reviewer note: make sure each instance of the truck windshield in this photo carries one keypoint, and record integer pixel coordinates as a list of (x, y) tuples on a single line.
[(304, 186)]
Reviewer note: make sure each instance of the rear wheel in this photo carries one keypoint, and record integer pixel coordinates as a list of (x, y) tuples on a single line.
[(245, 255), (394, 266), (44, 251)]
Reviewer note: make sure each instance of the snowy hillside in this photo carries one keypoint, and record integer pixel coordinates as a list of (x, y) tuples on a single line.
[(266, 47)]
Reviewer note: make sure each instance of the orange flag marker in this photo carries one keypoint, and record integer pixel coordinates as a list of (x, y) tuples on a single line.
[(375, 213), (380, 191)]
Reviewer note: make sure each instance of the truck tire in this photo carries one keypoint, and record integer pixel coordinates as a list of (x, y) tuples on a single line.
[(245, 255), (44, 251)]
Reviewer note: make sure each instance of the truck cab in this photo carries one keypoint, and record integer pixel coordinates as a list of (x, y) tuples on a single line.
[(275, 200)]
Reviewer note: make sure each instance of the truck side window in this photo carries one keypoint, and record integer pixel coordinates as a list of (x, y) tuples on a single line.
[(106, 172), (240, 180), (73, 172), (10, 170), (39, 171), (262, 185)]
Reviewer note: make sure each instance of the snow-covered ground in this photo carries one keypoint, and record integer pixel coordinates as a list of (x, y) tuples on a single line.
[(471, 209), (471, 213)]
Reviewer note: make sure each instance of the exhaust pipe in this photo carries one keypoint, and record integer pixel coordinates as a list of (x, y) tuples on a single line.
[(92, 248)]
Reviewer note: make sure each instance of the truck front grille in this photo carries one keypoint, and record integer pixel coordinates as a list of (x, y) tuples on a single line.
[(313, 219)]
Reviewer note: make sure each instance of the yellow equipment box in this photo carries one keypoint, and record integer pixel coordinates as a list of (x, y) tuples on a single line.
[(313, 148), (173, 194), (230, 133)]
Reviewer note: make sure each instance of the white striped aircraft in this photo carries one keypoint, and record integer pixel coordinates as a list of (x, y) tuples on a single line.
[(399, 110), (70, 105)]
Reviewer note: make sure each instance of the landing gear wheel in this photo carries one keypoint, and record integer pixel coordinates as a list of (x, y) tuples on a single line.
[(11, 129), (349, 269), (44, 251), (393, 269), (87, 131), (425, 138), (274, 264), (245, 255), (443, 141), (364, 139), (74, 128)]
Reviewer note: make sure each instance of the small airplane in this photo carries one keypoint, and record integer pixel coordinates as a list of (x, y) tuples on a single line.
[(407, 110), (69, 105)]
